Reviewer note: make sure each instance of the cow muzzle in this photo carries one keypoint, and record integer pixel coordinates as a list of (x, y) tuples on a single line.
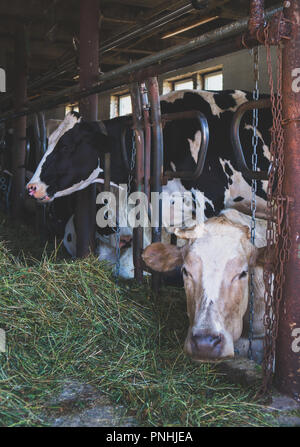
[(125, 241), (38, 191), (206, 347)]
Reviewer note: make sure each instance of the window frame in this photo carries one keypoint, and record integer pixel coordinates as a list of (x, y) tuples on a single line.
[(210, 73), (115, 103), (192, 78), (197, 77), (71, 107)]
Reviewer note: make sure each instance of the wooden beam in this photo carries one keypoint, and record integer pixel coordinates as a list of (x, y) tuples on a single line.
[(183, 29)]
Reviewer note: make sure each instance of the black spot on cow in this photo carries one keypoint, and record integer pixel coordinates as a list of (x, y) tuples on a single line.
[(76, 114), (238, 199), (228, 170), (260, 191), (209, 211), (225, 101)]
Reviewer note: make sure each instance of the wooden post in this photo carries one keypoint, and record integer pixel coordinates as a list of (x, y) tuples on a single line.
[(85, 215), (19, 124)]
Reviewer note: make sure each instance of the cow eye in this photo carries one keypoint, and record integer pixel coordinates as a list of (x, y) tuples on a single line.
[(243, 274), (186, 273)]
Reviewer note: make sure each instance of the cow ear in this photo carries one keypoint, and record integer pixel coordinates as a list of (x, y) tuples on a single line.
[(190, 233), (99, 138), (263, 256), (162, 257), (102, 143)]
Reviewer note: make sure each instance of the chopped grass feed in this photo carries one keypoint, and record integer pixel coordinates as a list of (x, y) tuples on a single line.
[(69, 320)]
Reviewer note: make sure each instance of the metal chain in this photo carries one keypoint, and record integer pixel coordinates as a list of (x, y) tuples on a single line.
[(117, 231), (118, 250), (132, 164), (278, 232), (253, 198)]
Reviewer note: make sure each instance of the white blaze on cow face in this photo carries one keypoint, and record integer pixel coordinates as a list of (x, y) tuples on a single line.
[(35, 187), (216, 284)]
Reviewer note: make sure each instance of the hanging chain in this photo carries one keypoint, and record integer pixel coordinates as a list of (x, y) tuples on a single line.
[(117, 231), (278, 234), (254, 191), (132, 164), (118, 250)]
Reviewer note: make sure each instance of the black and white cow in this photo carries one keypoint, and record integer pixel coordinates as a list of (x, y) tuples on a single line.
[(75, 156)]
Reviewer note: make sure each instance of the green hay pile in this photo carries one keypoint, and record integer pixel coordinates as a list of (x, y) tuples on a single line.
[(69, 320)]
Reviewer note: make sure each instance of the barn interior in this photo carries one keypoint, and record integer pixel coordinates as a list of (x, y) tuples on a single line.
[(137, 40)]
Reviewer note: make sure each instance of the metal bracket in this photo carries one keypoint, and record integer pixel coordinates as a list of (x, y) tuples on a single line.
[(185, 175), (190, 175), (236, 142)]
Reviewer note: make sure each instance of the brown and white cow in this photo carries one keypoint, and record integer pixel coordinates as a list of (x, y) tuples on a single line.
[(215, 264)]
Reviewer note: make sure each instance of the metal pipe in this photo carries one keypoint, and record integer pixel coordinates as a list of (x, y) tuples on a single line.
[(236, 142), (287, 360), (257, 18), (190, 175), (43, 132), (107, 171), (19, 145), (85, 212), (147, 129), (37, 139), (142, 30), (138, 233), (158, 158), (138, 69)]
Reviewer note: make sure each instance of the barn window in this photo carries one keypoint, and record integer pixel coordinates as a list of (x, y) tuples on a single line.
[(208, 79), (71, 108), (183, 84), (120, 105), (213, 80)]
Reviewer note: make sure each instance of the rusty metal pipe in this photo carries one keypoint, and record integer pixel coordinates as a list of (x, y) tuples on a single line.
[(43, 132), (256, 16), (147, 128), (287, 359), (85, 214), (107, 171), (138, 233), (157, 162)]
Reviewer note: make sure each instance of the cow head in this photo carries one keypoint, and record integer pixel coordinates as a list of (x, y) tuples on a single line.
[(215, 266), (72, 161)]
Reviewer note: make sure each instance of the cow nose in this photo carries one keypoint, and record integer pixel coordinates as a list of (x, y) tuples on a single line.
[(36, 190), (207, 346), (31, 188), (125, 241)]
